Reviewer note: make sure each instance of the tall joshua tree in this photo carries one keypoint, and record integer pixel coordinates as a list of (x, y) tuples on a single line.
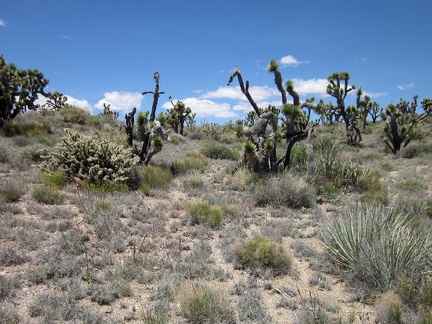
[(339, 88), (401, 119), (263, 135), (19, 90)]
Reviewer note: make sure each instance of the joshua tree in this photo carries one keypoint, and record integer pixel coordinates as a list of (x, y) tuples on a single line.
[(19, 90), (263, 134), (401, 119), (153, 133), (374, 110), (339, 88), (178, 115)]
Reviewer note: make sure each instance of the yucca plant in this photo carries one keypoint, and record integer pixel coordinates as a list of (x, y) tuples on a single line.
[(377, 244)]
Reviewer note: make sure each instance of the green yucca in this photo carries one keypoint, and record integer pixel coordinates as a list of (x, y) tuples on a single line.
[(377, 244)]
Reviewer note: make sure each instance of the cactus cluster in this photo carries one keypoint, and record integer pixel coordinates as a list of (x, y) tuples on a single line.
[(90, 158)]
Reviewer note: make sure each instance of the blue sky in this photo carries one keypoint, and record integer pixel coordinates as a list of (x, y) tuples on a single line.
[(96, 51)]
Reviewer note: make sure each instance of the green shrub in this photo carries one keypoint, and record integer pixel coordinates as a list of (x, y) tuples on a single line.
[(377, 245), (202, 304), (74, 115), (284, 190), (91, 158), (201, 212), (193, 160), (414, 185), (259, 252), (47, 195), (330, 166), (57, 178), (417, 149), (154, 177), (213, 150)]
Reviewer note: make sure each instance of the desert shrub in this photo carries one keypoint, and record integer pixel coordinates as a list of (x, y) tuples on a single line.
[(9, 313), (259, 253), (52, 306), (57, 178), (331, 166), (33, 152), (8, 287), (193, 160), (149, 177), (284, 190), (376, 192), (194, 181), (251, 309), (74, 115), (417, 149), (203, 304), (11, 255), (214, 150), (377, 244), (91, 158), (12, 191), (414, 185), (47, 195), (201, 212)]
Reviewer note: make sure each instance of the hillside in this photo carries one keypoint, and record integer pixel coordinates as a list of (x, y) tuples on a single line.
[(186, 246)]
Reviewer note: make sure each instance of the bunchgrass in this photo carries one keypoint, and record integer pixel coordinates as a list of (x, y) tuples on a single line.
[(47, 195), (259, 253), (204, 304), (12, 191), (154, 177), (285, 190), (201, 212), (193, 160), (214, 150)]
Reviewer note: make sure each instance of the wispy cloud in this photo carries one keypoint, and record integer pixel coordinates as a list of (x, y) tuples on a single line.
[(67, 37), (290, 60), (375, 94), (2, 23), (407, 86), (121, 100)]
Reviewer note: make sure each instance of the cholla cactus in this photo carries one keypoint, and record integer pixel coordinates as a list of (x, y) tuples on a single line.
[(91, 158)]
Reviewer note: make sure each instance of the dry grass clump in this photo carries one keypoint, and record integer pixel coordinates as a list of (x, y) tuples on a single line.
[(204, 304), (193, 160), (285, 190)]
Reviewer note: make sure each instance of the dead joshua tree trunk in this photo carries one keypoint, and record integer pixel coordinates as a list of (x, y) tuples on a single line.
[(148, 148), (129, 126)]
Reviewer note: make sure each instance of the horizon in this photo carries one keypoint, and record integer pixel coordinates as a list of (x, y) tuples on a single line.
[(100, 53)]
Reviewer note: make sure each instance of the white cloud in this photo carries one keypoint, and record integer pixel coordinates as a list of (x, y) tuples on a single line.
[(289, 60), (67, 37), (227, 92), (206, 108), (121, 100), (404, 87), (258, 93), (81, 103), (311, 86), (2, 23)]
